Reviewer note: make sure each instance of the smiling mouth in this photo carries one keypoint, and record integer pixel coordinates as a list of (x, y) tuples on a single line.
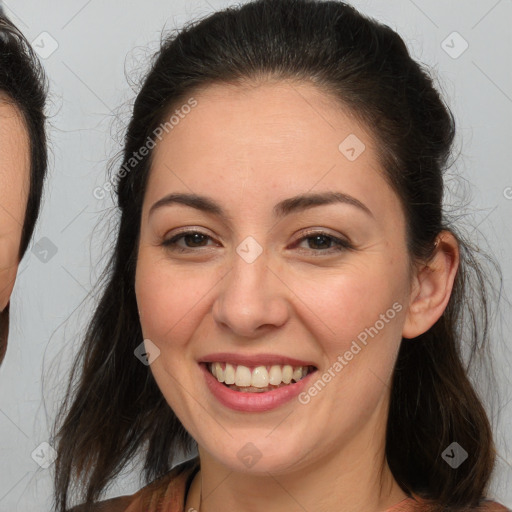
[(258, 379)]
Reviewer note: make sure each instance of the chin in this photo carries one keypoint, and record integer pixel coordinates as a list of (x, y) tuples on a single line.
[(257, 456)]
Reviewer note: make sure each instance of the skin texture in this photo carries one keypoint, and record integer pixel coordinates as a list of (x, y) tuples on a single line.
[(14, 186), (249, 148)]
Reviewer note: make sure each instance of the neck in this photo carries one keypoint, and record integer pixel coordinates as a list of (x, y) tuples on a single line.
[(353, 479)]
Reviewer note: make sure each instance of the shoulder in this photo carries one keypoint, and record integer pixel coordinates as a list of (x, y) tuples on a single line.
[(119, 504), (417, 504), (492, 506), (168, 491)]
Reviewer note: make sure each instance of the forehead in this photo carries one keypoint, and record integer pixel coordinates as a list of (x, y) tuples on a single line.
[(14, 170), (13, 133), (276, 139), (265, 119)]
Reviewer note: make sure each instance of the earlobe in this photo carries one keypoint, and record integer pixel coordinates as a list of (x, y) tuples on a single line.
[(433, 287)]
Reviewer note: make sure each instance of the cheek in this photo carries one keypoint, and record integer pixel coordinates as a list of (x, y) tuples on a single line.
[(168, 298), (337, 307), (359, 316), (350, 301), (363, 315)]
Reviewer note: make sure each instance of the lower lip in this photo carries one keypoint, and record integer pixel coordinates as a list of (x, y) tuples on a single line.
[(253, 402)]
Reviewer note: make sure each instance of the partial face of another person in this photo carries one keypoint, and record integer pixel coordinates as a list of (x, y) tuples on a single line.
[(303, 297), (14, 187)]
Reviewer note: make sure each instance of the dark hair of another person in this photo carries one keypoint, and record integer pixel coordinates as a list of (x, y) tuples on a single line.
[(114, 410), (23, 82)]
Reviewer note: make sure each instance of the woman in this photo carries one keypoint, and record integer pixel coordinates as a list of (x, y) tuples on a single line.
[(285, 290), (23, 156)]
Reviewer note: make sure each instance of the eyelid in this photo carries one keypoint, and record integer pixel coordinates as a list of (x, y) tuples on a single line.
[(172, 240), (308, 232), (322, 231), (341, 243), (186, 230)]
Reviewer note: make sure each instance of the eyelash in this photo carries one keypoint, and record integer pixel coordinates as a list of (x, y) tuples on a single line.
[(340, 244)]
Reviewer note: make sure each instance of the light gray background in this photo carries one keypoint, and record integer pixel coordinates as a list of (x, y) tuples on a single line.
[(96, 41)]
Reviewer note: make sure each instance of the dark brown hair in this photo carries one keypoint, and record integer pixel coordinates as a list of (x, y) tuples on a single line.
[(114, 409)]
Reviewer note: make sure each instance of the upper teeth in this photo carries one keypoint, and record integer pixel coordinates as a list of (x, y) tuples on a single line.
[(259, 377)]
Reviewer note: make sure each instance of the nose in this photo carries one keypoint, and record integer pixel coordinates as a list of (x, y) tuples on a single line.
[(252, 299)]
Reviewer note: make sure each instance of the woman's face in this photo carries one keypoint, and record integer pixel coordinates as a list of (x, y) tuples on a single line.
[(265, 281), (14, 185)]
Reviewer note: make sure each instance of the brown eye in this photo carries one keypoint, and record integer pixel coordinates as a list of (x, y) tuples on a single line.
[(192, 239), (318, 241)]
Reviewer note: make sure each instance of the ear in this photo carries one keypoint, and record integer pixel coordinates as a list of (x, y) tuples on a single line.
[(432, 287)]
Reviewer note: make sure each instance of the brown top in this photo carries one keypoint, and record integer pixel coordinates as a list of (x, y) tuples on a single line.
[(168, 494)]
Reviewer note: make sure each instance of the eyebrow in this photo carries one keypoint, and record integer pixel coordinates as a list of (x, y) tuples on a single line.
[(282, 209)]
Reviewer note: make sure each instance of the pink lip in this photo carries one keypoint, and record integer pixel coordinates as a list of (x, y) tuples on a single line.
[(253, 360), (253, 402)]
